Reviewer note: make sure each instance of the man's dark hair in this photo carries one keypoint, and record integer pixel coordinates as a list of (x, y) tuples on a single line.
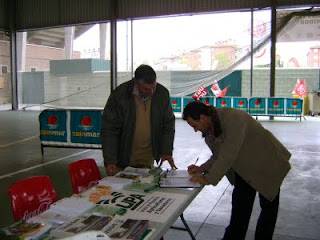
[(194, 109), (145, 73)]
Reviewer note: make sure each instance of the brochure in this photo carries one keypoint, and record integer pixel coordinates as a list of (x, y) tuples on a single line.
[(25, 230), (103, 210), (72, 206), (136, 171), (142, 187), (180, 174), (178, 183), (115, 183), (116, 228), (96, 193), (51, 216), (82, 223), (129, 229)]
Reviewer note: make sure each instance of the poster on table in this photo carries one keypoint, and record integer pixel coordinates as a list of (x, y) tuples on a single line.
[(53, 126), (156, 206), (85, 126)]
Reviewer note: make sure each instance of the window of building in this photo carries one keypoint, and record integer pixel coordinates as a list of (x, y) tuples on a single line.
[(4, 69)]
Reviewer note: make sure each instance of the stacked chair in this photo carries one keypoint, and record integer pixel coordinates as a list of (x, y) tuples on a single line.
[(84, 174), (31, 196)]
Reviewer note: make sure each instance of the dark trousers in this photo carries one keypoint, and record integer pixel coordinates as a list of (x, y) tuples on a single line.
[(242, 202)]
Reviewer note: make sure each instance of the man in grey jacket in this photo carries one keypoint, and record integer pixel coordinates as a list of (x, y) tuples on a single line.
[(251, 158), (138, 124)]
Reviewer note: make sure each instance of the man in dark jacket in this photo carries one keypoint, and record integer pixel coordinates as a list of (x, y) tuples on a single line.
[(138, 124), (249, 155)]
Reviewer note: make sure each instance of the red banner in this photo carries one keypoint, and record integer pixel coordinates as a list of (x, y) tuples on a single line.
[(215, 88), (223, 92), (300, 88), (217, 91), (200, 93)]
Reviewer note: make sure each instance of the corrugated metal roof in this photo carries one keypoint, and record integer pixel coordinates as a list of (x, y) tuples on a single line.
[(2, 15), (32, 14), (49, 13)]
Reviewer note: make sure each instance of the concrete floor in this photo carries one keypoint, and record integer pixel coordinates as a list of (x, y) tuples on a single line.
[(209, 213)]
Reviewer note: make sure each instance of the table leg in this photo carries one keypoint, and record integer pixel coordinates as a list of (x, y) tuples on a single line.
[(186, 227)]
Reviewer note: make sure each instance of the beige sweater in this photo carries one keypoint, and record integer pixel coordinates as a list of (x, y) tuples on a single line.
[(141, 153)]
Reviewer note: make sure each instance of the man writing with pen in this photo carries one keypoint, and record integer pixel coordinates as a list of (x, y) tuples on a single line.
[(138, 124), (251, 157)]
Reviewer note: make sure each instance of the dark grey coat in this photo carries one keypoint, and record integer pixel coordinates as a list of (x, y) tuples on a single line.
[(118, 124)]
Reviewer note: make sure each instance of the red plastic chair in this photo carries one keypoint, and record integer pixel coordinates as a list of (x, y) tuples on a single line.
[(31, 196), (84, 174)]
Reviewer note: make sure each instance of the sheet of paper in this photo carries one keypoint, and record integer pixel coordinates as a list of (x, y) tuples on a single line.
[(72, 205), (51, 216), (178, 183), (180, 174), (115, 183)]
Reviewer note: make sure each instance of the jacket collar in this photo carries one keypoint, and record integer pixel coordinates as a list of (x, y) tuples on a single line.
[(216, 125)]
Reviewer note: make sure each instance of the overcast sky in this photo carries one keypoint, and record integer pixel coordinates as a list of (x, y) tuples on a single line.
[(165, 37)]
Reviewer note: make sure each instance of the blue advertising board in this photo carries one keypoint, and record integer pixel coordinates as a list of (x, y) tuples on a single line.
[(257, 106), (294, 106), (186, 100), (85, 126), (53, 125), (223, 102), (240, 103), (275, 106), (209, 101), (176, 104)]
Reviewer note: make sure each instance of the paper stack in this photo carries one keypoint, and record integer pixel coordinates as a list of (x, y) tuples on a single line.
[(51, 216), (72, 206), (116, 183), (178, 179)]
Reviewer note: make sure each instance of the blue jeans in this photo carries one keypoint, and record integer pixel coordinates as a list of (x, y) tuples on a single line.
[(242, 202)]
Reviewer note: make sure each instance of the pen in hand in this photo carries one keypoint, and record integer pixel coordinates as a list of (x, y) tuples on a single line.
[(193, 168)]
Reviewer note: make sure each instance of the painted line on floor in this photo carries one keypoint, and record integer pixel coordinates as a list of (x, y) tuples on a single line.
[(22, 140), (41, 165)]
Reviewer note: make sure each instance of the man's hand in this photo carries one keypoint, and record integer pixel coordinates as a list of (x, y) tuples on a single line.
[(199, 179), (169, 159), (111, 169), (193, 169)]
